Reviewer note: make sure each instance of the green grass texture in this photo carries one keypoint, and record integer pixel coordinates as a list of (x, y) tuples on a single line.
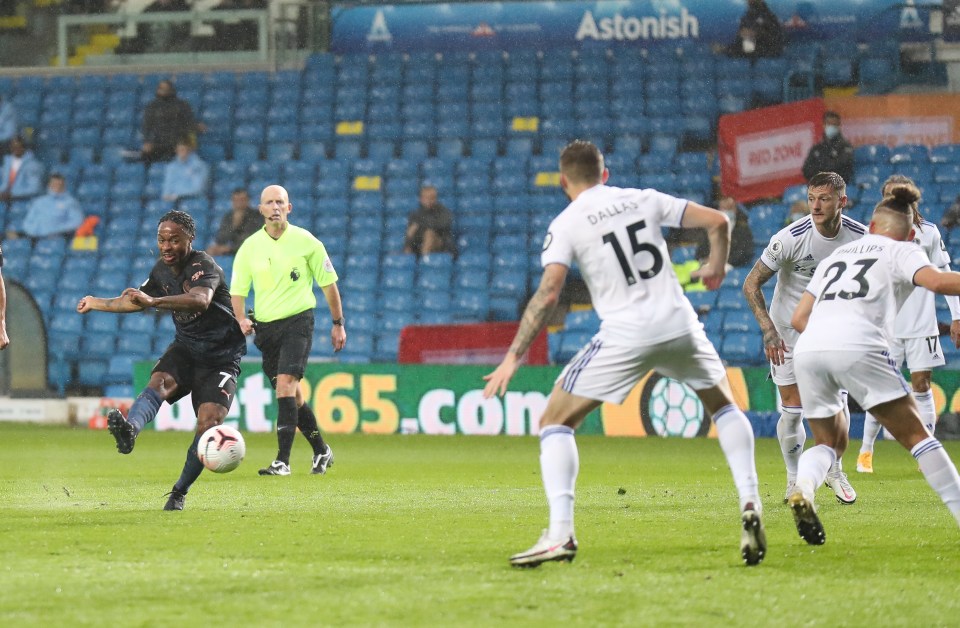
[(416, 531)]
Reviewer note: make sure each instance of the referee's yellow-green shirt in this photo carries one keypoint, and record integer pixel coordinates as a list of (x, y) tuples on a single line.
[(281, 272)]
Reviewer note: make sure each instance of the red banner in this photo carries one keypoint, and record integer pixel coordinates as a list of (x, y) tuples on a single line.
[(762, 150), (473, 343)]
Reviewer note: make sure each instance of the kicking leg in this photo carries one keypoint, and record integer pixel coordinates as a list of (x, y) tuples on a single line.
[(144, 410)]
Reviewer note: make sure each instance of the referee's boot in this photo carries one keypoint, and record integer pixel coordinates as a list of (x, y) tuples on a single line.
[(322, 462), (276, 468)]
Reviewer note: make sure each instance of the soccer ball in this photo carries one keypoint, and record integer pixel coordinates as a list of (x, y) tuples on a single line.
[(221, 449), (675, 409)]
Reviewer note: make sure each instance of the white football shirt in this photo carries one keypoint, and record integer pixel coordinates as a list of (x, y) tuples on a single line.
[(859, 289), (614, 235), (918, 316), (794, 253)]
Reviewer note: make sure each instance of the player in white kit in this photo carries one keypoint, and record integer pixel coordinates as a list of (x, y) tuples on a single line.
[(847, 321), (614, 235), (917, 333), (792, 255)]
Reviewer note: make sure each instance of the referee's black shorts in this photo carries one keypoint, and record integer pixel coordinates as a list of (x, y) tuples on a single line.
[(285, 345)]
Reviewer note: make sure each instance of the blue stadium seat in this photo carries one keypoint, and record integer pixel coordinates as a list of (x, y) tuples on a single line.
[(909, 153), (742, 348), (945, 153)]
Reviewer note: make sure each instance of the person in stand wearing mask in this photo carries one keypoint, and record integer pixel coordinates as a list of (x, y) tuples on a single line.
[(832, 154)]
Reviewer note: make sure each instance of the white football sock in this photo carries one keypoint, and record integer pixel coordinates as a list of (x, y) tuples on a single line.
[(940, 472), (736, 439), (928, 411), (559, 464), (791, 435), (871, 429), (813, 467)]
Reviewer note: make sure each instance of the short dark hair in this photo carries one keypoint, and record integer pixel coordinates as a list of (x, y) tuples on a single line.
[(183, 219), (828, 180), (240, 190), (830, 113), (581, 162), (56, 175)]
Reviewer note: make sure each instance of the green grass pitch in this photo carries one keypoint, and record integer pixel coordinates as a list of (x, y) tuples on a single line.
[(416, 531)]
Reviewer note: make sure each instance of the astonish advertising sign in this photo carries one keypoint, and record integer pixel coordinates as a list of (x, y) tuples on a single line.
[(508, 25)]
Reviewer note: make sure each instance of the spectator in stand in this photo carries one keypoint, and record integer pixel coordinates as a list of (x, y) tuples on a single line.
[(56, 213), (430, 226), (166, 120), (21, 175), (185, 176), (741, 236), (8, 125), (236, 226), (760, 33), (238, 34), (832, 154)]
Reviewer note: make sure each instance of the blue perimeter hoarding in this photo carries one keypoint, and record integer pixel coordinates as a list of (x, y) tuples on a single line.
[(510, 25)]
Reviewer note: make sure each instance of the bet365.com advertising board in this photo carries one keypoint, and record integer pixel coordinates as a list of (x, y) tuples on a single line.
[(448, 400), (430, 399)]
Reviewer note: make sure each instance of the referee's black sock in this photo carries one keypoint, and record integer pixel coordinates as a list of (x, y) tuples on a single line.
[(286, 427), (307, 423)]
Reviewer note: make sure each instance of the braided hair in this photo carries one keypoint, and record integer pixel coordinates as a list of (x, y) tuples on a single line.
[(183, 219)]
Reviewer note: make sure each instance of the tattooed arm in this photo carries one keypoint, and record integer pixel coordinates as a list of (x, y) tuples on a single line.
[(773, 344), (534, 318)]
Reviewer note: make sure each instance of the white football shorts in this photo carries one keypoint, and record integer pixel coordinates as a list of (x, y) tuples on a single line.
[(784, 375), (607, 368), (921, 354), (871, 377)]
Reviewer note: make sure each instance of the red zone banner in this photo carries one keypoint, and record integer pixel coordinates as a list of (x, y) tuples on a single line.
[(762, 151)]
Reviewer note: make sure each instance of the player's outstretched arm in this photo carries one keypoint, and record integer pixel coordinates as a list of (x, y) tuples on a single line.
[(338, 333), (937, 281), (534, 318), (773, 344), (717, 226), (197, 299), (119, 305)]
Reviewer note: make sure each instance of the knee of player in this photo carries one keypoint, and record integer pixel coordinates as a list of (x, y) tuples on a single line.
[(920, 381), (163, 384), (209, 417)]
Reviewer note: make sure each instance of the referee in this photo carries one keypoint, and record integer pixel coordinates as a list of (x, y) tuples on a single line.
[(281, 261)]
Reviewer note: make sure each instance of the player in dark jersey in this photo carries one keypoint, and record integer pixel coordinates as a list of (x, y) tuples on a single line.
[(204, 357), (4, 340)]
